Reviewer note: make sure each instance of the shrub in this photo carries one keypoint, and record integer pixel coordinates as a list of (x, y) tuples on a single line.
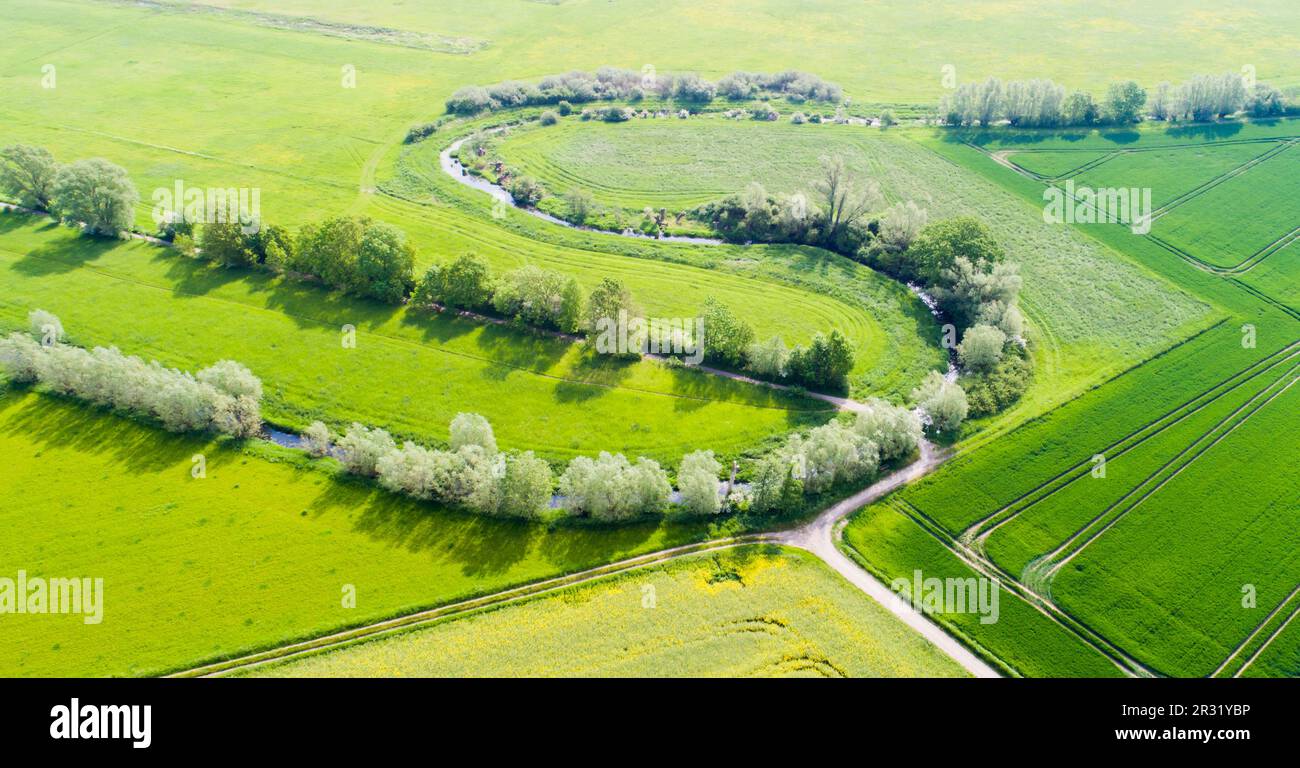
[(418, 133), (470, 100), (697, 480), (944, 402), (526, 190), (549, 118), (981, 348)]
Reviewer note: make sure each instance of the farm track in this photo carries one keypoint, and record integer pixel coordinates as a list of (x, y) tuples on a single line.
[(986, 568), (1044, 570), (977, 532), (1002, 158), (1268, 639), (818, 536)]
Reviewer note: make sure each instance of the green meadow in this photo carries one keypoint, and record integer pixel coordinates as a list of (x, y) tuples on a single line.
[(255, 554), (746, 612)]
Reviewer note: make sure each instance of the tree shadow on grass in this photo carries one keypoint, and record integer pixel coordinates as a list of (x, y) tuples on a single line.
[(64, 255), (480, 546), (51, 421)]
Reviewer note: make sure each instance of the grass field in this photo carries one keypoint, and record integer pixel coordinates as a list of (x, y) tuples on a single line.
[(1198, 493), (409, 372), (1084, 328), (254, 554), (749, 612)]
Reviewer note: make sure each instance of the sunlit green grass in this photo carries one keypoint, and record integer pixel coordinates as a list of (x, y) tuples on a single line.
[(754, 611), (256, 553), (408, 372)]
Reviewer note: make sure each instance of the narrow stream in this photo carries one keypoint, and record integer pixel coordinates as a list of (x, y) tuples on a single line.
[(455, 169), (295, 441)]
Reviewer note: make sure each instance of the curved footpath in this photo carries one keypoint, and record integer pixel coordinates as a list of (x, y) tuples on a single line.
[(818, 536)]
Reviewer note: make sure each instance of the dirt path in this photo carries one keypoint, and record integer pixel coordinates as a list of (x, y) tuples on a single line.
[(818, 536)]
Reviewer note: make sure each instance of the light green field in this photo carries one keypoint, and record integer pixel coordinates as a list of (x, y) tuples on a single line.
[(1232, 513), (1240, 217), (1278, 276), (1055, 163), (749, 612), (1084, 328), (254, 554), (409, 372)]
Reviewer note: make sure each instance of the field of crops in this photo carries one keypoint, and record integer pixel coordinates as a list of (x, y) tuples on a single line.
[(1197, 503), (254, 554), (747, 612)]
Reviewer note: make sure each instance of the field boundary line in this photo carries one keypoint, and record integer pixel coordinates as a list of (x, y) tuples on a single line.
[(1285, 352), (1259, 628), (979, 532), (452, 610), (1172, 476)]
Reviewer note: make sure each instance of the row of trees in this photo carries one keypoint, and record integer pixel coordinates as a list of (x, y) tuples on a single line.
[(224, 397), (836, 452), (530, 295), (473, 474), (962, 266), (614, 84), (834, 215), (1044, 104), (351, 254), (94, 194)]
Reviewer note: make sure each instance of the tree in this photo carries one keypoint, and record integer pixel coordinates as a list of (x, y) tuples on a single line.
[(28, 173), (607, 301), (825, 363), (1161, 105), (611, 488), (329, 250), (361, 449), (768, 359), (943, 401), (1266, 101), (1124, 102), (726, 337), (316, 439), (941, 243), (964, 289), (525, 486), (579, 204), (385, 261), (887, 119), (466, 283), (96, 194), (525, 190), (472, 429), (844, 199), (470, 100), (539, 297), (697, 480), (981, 348), (895, 430), (225, 243), (1080, 109), (901, 225)]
